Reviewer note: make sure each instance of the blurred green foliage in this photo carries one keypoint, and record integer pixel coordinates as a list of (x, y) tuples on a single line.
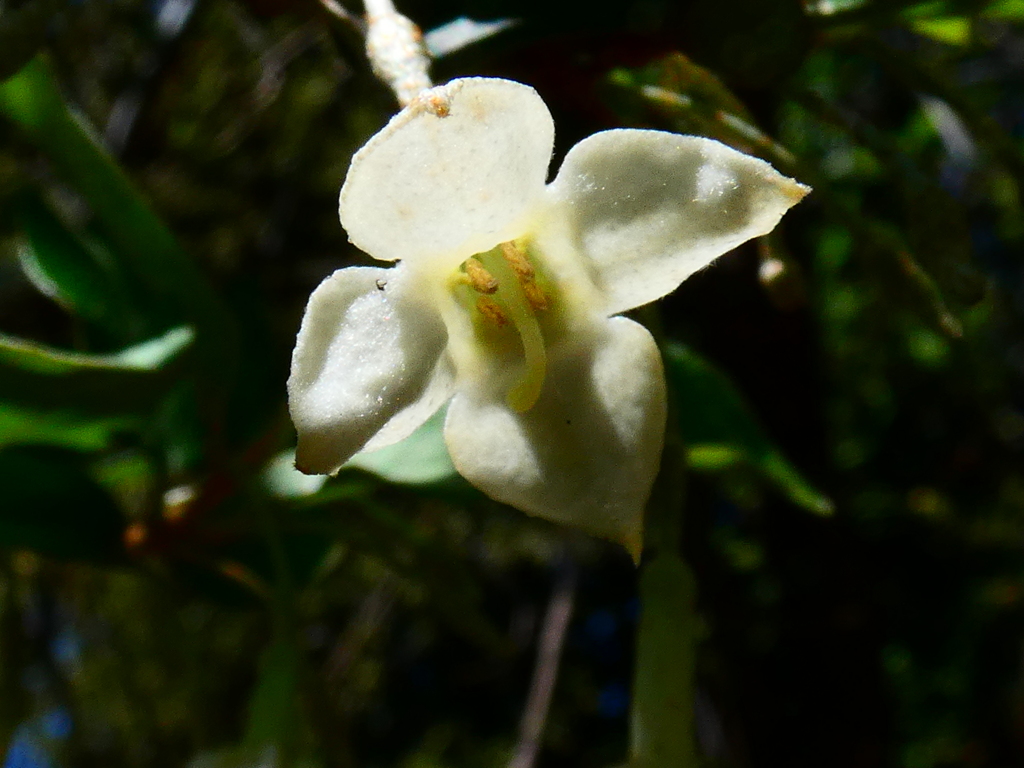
[(173, 592)]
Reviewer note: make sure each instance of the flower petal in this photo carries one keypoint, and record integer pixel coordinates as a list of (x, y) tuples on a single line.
[(438, 391), (452, 174), (649, 208), (587, 453), (369, 360)]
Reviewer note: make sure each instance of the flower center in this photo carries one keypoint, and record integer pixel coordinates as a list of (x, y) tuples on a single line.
[(506, 290)]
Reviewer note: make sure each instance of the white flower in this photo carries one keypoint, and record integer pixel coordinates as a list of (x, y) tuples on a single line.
[(506, 297)]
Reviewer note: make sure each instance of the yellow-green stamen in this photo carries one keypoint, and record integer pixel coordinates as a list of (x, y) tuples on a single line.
[(520, 310)]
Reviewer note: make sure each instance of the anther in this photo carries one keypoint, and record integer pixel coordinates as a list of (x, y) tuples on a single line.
[(534, 296), (518, 261), (481, 280), (491, 311)]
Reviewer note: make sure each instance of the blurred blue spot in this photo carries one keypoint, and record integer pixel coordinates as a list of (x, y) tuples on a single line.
[(26, 751), (32, 740), (600, 637), (66, 649), (613, 701), (600, 626), (56, 724)]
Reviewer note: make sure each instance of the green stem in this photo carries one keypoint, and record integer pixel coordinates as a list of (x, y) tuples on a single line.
[(273, 711), (661, 718)]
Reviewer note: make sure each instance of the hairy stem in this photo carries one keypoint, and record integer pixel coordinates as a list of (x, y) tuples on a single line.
[(396, 51)]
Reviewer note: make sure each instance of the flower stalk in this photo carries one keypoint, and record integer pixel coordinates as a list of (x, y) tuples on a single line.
[(394, 45), (661, 716), (661, 719)]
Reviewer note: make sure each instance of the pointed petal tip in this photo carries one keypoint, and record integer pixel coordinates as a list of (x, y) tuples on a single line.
[(633, 541), (795, 191)]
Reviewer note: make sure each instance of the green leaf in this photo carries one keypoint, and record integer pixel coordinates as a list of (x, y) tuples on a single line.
[(54, 507), (284, 481), (720, 430), (147, 356), (1005, 10), (173, 287), (75, 272), (420, 459), (132, 381), (24, 426), (951, 30)]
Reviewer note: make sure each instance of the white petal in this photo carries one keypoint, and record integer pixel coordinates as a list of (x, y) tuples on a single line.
[(369, 358), (453, 185), (587, 453), (437, 392), (648, 209)]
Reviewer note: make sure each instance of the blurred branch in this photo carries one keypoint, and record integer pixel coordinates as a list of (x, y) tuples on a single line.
[(919, 76), (379, 7), (170, 22), (938, 234), (394, 45), (374, 528), (868, 14), (340, 12), (370, 617), (545, 671)]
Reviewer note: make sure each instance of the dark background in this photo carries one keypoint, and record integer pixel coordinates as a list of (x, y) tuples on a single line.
[(164, 599)]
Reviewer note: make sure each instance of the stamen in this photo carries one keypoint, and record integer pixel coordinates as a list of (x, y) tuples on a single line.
[(481, 280), (490, 310), (523, 396), (534, 295), (526, 275), (517, 260)]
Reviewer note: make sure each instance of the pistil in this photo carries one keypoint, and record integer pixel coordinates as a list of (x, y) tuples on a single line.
[(520, 311)]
